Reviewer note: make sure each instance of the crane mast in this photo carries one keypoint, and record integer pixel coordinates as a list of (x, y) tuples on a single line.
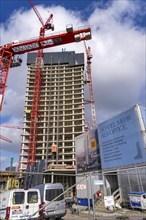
[(32, 142), (35, 109), (5, 62), (93, 111)]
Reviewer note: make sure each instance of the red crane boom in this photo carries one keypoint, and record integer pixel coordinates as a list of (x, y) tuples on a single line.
[(36, 11), (8, 51), (10, 126), (5, 139), (49, 23)]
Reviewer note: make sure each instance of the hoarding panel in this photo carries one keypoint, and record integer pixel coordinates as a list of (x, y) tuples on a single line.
[(143, 112), (121, 140), (86, 186), (87, 152)]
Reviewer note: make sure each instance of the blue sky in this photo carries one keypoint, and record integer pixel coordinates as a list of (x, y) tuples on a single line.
[(117, 45), (8, 6)]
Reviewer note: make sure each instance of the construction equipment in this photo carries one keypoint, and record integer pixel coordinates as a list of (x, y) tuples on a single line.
[(8, 126), (8, 51), (37, 88), (5, 139), (89, 81), (48, 25)]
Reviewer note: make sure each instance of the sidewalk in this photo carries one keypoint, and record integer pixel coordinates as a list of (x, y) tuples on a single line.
[(118, 213)]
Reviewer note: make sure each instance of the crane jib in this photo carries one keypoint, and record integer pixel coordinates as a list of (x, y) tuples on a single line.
[(49, 41), (8, 51), (35, 46), (25, 47)]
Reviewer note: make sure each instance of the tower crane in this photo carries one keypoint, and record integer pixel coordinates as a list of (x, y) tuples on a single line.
[(10, 50), (37, 88), (89, 80)]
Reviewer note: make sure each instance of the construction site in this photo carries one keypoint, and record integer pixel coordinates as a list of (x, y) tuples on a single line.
[(55, 103), (99, 166)]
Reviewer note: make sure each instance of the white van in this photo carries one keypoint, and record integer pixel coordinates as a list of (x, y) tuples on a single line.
[(20, 204), (57, 208)]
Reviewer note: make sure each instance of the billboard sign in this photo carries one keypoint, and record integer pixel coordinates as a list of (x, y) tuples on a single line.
[(87, 152), (121, 140), (143, 112)]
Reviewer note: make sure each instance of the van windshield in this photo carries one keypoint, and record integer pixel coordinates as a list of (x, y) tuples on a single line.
[(18, 198), (53, 193)]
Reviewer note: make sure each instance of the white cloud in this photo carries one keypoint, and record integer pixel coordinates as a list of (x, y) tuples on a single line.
[(119, 59), (2, 159), (14, 135), (118, 65)]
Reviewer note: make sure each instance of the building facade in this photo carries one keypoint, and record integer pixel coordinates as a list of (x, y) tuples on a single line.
[(61, 114)]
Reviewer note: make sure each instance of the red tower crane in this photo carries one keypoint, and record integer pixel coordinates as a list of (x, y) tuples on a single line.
[(91, 101), (32, 142), (7, 55)]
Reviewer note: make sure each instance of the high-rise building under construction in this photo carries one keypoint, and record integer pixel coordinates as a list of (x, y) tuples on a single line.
[(61, 114)]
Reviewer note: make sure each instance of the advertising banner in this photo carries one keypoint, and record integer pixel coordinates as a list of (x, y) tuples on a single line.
[(87, 152), (143, 112), (121, 139)]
